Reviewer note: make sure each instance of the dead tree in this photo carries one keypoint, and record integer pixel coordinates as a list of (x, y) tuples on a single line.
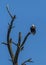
[(20, 46)]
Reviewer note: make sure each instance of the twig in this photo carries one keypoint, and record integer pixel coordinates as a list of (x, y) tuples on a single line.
[(28, 60), (9, 12), (4, 43)]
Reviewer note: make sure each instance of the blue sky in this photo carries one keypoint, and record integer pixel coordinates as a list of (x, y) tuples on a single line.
[(27, 12)]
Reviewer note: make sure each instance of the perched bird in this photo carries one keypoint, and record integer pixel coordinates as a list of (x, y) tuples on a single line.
[(33, 29)]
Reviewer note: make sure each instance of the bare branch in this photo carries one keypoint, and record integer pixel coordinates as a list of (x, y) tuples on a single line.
[(9, 12), (28, 60), (19, 39), (9, 41), (25, 38), (10, 28), (4, 43)]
